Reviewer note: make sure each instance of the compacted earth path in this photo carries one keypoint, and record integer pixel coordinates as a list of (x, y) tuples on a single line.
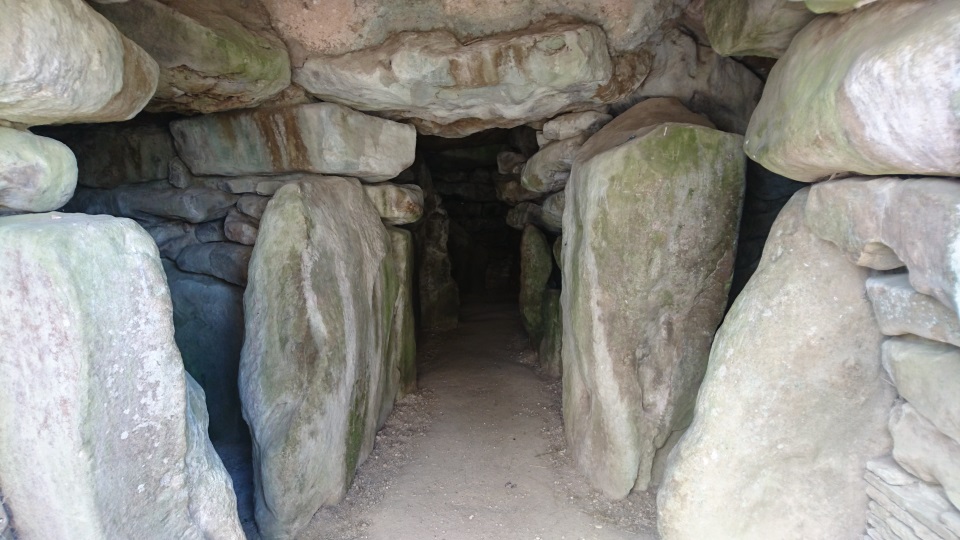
[(478, 452)]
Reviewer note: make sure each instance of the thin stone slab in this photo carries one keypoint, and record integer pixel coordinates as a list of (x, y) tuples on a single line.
[(154, 201), (37, 174), (649, 241), (570, 125), (397, 204), (823, 107), (551, 345), (95, 389), (400, 368), (322, 138), (172, 236), (900, 310), (923, 507), (536, 264), (927, 374), (62, 62), (919, 447), (224, 260)]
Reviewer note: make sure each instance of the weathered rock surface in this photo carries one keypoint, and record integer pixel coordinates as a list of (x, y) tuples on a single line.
[(323, 138), (553, 210), (754, 27), (172, 236), (208, 317), (927, 374), (451, 89), (114, 154), (536, 264), (887, 223), (510, 162), (99, 396), (528, 213), (36, 174), (821, 108), (208, 61), (225, 260), (552, 342), (834, 6), (792, 406), (312, 30), (902, 310), (400, 375), (548, 170), (571, 125), (317, 310), (397, 204), (438, 293), (510, 191), (240, 228), (153, 201), (252, 205), (919, 447), (922, 507), (648, 252), (64, 63), (721, 88)]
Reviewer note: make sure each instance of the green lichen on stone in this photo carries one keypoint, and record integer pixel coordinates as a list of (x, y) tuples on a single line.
[(536, 264)]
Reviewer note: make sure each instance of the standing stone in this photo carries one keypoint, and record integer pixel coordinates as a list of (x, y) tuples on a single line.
[(548, 170), (208, 61), (649, 241), (208, 317), (62, 62), (793, 404), (822, 108), (95, 389), (550, 345), (322, 138), (400, 375), (753, 27), (452, 89), (923, 450), (36, 174), (317, 311), (397, 204), (536, 264)]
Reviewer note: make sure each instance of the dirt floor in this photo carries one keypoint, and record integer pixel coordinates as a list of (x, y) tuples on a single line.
[(477, 453)]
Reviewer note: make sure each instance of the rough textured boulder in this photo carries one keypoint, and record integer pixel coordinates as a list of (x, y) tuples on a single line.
[(323, 138), (648, 251), (333, 29), (550, 345), (36, 174), (900, 309), (536, 264), (754, 27), (552, 210), (450, 89), (208, 317), (397, 204), (154, 201), (317, 309), (822, 110), (240, 228), (927, 374), (110, 155), (793, 404), (253, 205), (224, 260), (99, 395), (570, 125), (62, 62), (721, 88), (886, 223), (548, 170), (919, 447), (208, 61)]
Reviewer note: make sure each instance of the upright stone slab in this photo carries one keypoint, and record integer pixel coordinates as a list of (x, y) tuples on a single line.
[(400, 376), (323, 138), (552, 342), (101, 433), (793, 404), (208, 61), (62, 62), (753, 27), (536, 264), (827, 104), (36, 174), (317, 308), (649, 240)]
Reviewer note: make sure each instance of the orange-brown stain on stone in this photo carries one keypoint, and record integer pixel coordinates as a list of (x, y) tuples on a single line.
[(280, 131)]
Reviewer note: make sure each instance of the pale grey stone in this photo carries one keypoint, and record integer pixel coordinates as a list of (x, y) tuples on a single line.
[(99, 396), (927, 374), (553, 210), (785, 424), (62, 62), (919, 505), (318, 304), (649, 240), (208, 61), (323, 138), (834, 6), (252, 205), (754, 27), (400, 367), (225, 260), (823, 108), (919, 447), (240, 228), (902, 310), (571, 125), (397, 204), (451, 89), (549, 169), (36, 174)]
